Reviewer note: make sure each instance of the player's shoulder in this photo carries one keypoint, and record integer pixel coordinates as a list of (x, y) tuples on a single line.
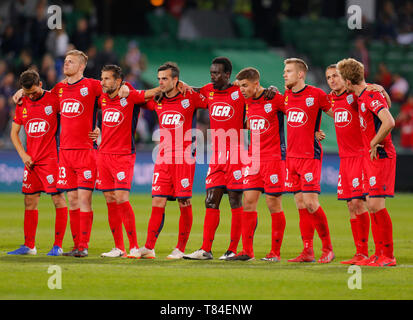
[(315, 90), (374, 99)]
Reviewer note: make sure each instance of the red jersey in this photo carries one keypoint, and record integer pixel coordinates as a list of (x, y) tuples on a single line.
[(266, 122), (303, 110), (40, 120), (176, 115), (347, 124), (370, 103), (226, 112), (78, 109), (119, 121)]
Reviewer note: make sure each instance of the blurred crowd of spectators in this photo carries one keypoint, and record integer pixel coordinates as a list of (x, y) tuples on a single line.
[(27, 42)]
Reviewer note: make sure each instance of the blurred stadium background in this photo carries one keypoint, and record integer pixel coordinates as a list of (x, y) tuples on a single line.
[(141, 35)]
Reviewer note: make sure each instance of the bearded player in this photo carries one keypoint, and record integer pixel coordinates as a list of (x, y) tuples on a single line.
[(304, 105), (116, 156), (39, 115), (175, 162), (376, 123)]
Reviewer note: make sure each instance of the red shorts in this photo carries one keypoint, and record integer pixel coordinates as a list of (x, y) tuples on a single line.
[(381, 176), (351, 179), (77, 169), (268, 177), (115, 171), (173, 180), (228, 176), (41, 178), (303, 175)]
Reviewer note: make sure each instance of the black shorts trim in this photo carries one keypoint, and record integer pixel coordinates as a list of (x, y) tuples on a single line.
[(382, 196), (168, 198), (222, 187), (276, 193), (256, 189), (349, 199), (85, 188), (31, 193), (108, 190), (66, 190)]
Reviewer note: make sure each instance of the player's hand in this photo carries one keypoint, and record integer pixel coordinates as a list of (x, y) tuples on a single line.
[(375, 87), (17, 97), (184, 88), (320, 135), (236, 83), (124, 91), (373, 151), (158, 97), (94, 135), (28, 162), (270, 92)]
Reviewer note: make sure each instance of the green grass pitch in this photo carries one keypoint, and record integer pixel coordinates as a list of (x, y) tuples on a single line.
[(26, 277)]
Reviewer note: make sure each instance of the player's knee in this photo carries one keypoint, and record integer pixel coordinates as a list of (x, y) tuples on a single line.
[(159, 202), (356, 206), (311, 206), (30, 202), (249, 204), (184, 202), (59, 200), (211, 203)]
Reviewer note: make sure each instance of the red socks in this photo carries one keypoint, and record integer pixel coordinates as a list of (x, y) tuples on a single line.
[(277, 231), (249, 224), (211, 223), (128, 218), (86, 221), (385, 229), (185, 225), (31, 218), (363, 229), (115, 224), (60, 226), (306, 228), (155, 226), (236, 228), (375, 230), (75, 226), (320, 223)]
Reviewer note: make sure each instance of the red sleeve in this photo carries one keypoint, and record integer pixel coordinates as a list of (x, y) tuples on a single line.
[(279, 102), (137, 96), (97, 87), (324, 101), (55, 89), (18, 119), (200, 101), (375, 102)]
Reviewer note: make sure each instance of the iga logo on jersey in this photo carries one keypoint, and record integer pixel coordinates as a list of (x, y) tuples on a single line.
[(71, 108), (112, 118), (171, 119), (296, 117), (222, 111), (36, 128), (259, 124), (342, 118)]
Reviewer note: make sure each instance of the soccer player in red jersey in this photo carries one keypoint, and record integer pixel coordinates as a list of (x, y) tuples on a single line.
[(77, 154), (175, 163), (303, 107), (266, 173), (116, 156), (38, 114), (226, 106), (351, 176), (376, 123)]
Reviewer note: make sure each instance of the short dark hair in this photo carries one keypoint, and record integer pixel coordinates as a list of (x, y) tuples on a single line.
[(29, 78), (225, 62), (116, 70), (332, 66), (170, 66), (250, 74)]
